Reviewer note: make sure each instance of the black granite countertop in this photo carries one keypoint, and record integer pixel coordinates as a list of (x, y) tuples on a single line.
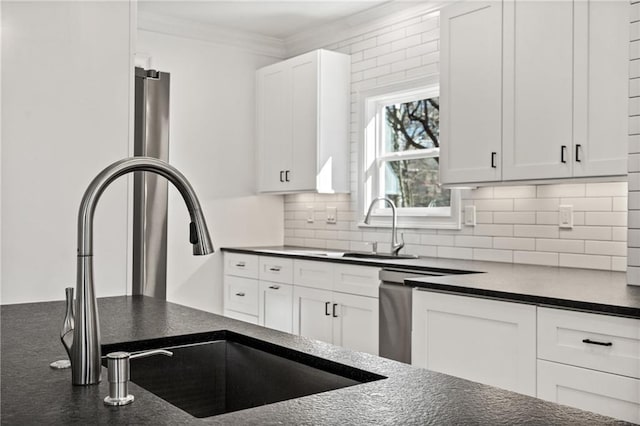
[(581, 289), (32, 393)]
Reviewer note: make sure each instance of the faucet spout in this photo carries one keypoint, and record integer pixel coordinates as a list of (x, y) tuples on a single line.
[(85, 346), (396, 246)]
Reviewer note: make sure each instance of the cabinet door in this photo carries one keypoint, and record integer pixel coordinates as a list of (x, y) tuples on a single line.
[(304, 125), (603, 393), (538, 89), (601, 88), (470, 94), (273, 133), (355, 322), (483, 340), (276, 306), (312, 314)]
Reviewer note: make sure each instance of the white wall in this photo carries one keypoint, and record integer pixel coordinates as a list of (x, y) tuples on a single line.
[(515, 224), (212, 143), (65, 115)]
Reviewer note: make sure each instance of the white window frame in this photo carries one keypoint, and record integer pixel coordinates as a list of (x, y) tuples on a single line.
[(372, 104)]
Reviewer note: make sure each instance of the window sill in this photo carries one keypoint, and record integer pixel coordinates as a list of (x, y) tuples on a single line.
[(417, 223)]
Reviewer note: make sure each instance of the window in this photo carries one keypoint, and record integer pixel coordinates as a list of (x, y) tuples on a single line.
[(401, 157)]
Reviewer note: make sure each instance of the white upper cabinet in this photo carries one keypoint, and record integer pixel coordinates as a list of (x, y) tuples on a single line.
[(538, 89), (562, 93), (470, 92), (303, 124)]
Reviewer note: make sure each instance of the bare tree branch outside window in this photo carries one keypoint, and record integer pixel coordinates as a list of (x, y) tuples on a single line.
[(414, 182)]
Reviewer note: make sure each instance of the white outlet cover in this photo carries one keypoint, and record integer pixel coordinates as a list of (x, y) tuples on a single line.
[(310, 214), (565, 216), (470, 215), (332, 215)]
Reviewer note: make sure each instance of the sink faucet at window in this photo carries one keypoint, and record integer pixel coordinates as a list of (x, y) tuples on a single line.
[(395, 245), (83, 346)]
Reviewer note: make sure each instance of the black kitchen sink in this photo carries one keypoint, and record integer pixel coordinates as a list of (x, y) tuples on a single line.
[(221, 372), (364, 255)]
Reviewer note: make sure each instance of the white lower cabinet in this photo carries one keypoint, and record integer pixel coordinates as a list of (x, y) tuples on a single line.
[(345, 320), (603, 393), (275, 302), (487, 341)]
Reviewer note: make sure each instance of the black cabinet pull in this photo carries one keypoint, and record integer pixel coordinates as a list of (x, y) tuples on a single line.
[(240, 294), (493, 160), (286, 175), (563, 152), (326, 308), (274, 287), (595, 342), (275, 269), (240, 264), (578, 147), (334, 310), (281, 172)]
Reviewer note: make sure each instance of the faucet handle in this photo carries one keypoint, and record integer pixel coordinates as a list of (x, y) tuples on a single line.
[(119, 373), (66, 333)]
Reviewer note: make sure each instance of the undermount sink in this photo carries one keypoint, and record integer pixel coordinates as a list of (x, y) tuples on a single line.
[(220, 372), (355, 254)]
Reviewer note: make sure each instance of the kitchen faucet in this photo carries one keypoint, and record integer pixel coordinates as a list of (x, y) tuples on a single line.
[(395, 245), (80, 333)]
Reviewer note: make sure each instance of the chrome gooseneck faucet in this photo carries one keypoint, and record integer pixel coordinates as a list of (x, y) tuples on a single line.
[(83, 346), (395, 245)]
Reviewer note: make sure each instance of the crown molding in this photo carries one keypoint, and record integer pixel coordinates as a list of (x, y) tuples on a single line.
[(361, 23), (255, 43)]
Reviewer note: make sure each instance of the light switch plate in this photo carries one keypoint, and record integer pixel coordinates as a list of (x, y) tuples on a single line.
[(332, 215), (470, 215), (565, 217), (310, 214)]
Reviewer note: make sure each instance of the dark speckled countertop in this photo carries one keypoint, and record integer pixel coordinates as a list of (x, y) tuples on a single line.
[(32, 393), (589, 290)]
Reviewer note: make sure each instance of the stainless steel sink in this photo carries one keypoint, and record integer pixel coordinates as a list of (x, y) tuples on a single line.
[(221, 372)]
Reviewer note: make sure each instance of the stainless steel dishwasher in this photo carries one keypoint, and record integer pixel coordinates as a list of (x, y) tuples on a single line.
[(395, 313)]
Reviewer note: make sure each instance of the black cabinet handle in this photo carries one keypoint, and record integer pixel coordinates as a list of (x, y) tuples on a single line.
[(240, 264), (326, 308), (334, 310), (493, 160), (275, 269), (281, 172), (274, 287), (563, 153), (578, 148), (595, 342), (286, 175), (240, 294)]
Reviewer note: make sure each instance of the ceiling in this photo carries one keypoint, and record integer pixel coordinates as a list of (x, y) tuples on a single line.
[(278, 19)]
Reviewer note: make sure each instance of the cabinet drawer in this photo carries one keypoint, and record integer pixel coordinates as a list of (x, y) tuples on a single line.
[(602, 393), (313, 274), (361, 280), (241, 265), (276, 269), (241, 295), (599, 342)]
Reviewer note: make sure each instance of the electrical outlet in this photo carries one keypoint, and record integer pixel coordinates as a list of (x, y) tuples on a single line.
[(332, 215), (310, 214), (565, 216), (470, 215)]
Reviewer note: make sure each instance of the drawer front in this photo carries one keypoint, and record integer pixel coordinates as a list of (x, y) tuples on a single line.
[(361, 280), (595, 391), (600, 342), (241, 295), (313, 274), (241, 265), (276, 269)]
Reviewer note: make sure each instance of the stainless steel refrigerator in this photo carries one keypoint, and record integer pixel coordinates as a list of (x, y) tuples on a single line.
[(150, 190)]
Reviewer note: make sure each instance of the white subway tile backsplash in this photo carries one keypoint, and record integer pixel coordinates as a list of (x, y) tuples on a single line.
[(494, 205), (606, 218), (437, 240), (536, 204), (560, 246), (393, 35), (607, 189), (619, 263), (515, 217), (514, 192), (619, 233), (620, 204), (585, 261), (547, 218), (405, 42), (562, 190), (455, 252), (535, 258), (589, 204), (472, 241), (535, 231), (492, 255), (484, 217), (587, 233), (507, 243), (609, 248)]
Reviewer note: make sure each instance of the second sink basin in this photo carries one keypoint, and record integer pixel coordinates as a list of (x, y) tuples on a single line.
[(221, 372)]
